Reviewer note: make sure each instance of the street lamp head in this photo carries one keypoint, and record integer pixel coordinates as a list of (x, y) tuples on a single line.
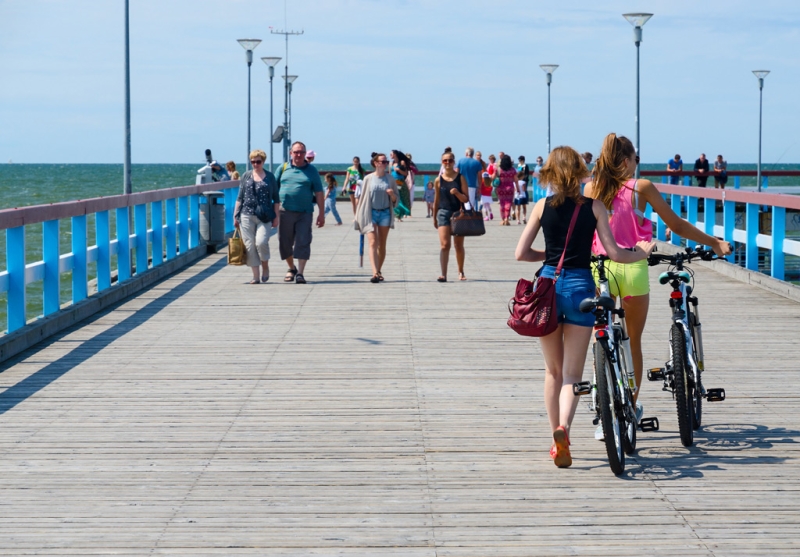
[(249, 44), (548, 68), (760, 74), (289, 78), (638, 19), (270, 61)]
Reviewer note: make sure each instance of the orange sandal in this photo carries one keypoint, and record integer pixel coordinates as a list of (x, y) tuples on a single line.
[(562, 459)]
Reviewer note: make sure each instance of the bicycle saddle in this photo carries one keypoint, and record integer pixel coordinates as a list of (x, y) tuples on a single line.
[(588, 305), (683, 276)]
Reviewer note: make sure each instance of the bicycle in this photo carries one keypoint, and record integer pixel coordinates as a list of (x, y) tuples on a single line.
[(613, 383), (682, 372)]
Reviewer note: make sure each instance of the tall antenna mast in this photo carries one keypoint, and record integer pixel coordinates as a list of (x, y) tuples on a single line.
[(286, 86)]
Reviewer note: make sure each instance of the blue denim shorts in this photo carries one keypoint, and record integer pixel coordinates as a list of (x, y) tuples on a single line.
[(572, 287), (381, 217)]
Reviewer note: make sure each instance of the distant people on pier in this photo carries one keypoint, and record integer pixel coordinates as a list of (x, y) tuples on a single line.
[(479, 158), (701, 166), (486, 196), (300, 186), (587, 158), (410, 181), (507, 186), (256, 212), (491, 168), (310, 156), (521, 199), (330, 198), (352, 176), (674, 167), (471, 170), (230, 166), (450, 193), (720, 172), (613, 183), (430, 194), (565, 349), (374, 215), (538, 168), (399, 171)]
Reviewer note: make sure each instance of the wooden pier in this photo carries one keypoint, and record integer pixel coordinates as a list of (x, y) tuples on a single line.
[(206, 416)]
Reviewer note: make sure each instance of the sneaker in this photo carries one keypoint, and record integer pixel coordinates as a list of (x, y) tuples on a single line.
[(598, 433), (562, 459), (639, 413), (485, 218)]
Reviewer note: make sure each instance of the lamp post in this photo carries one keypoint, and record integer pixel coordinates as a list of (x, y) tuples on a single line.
[(637, 20), (270, 61), (548, 69), (760, 74), (249, 45), (288, 133), (126, 163), (286, 91)]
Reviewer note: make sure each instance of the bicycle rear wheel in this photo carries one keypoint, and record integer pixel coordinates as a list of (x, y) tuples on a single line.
[(629, 409), (680, 377), (612, 424), (696, 395)]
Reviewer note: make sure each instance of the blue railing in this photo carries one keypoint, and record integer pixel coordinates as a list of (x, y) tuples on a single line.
[(145, 247)]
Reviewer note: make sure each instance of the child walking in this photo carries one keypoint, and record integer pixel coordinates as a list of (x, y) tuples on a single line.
[(330, 198), (486, 196), (430, 194)]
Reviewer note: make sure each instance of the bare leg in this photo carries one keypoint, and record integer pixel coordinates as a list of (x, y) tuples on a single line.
[(564, 354), (255, 273), (444, 253), (290, 262), (383, 235), (635, 318), (460, 255), (353, 201), (374, 257), (301, 264)]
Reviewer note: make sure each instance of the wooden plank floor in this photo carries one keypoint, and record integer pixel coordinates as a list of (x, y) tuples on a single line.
[(210, 417)]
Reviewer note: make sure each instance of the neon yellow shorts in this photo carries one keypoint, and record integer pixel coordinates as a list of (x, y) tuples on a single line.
[(626, 279)]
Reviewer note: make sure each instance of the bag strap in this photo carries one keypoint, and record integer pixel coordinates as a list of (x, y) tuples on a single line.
[(566, 242)]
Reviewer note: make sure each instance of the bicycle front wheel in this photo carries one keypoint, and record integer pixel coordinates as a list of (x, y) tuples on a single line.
[(612, 423), (680, 377)]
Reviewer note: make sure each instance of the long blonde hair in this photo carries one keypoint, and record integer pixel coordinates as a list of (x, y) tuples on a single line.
[(610, 172), (564, 172)]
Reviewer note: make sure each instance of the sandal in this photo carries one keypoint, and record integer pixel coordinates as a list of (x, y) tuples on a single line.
[(562, 459), (290, 274), (462, 276), (254, 281), (299, 279), (375, 279), (442, 279), (380, 276), (264, 278)]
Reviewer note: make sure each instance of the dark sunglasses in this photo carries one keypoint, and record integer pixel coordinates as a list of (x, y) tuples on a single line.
[(257, 161), (448, 160), (382, 162)]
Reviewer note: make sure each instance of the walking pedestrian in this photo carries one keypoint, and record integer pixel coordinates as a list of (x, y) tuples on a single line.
[(230, 166), (351, 178), (613, 183), (451, 191), (399, 172), (471, 169), (507, 177), (430, 195), (521, 200), (256, 212), (330, 198), (486, 196), (565, 349), (374, 215), (300, 186)]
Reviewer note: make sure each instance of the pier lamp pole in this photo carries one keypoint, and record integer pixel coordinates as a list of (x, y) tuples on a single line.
[(548, 69), (637, 20), (126, 163), (760, 74), (249, 45), (288, 130), (270, 61), (286, 91)]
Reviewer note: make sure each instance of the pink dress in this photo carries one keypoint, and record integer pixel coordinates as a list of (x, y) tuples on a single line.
[(626, 222), (505, 191)]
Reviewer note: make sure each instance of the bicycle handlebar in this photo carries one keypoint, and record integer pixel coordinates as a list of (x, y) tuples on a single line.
[(685, 256)]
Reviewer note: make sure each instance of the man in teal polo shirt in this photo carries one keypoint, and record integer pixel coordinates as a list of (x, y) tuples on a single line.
[(300, 185)]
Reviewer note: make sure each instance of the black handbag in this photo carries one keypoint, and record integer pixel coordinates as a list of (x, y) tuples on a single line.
[(467, 223)]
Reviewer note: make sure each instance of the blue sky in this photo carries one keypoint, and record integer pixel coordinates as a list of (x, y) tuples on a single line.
[(413, 75)]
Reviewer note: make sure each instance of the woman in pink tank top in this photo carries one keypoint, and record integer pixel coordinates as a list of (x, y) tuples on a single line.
[(626, 199)]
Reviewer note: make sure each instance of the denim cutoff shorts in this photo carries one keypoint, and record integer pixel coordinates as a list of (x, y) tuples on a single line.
[(382, 217), (572, 287)]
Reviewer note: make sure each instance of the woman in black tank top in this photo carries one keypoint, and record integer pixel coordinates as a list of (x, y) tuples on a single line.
[(565, 349), (450, 191)]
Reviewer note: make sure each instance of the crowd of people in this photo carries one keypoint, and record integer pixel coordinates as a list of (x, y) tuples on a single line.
[(703, 169), (609, 218)]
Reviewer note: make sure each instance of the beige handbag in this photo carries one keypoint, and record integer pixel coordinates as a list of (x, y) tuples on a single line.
[(237, 254)]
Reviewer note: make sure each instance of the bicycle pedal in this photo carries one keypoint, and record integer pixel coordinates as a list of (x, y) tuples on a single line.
[(582, 388), (596, 420), (655, 374), (715, 395), (648, 424)]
